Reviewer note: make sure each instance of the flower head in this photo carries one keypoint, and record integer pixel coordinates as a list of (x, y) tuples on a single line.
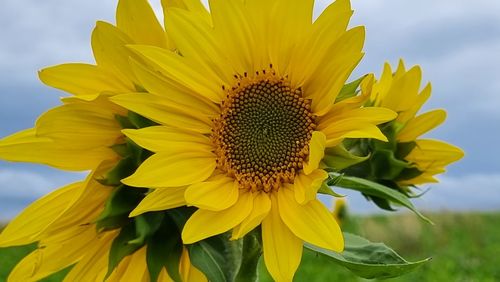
[(400, 91), (246, 106)]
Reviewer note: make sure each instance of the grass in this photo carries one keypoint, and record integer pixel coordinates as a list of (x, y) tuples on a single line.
[(464, 247)]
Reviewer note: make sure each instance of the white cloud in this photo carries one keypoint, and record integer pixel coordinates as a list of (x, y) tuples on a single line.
[(19, 187)]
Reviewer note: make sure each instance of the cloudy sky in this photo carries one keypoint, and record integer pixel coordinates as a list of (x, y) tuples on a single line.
[(457, 43)]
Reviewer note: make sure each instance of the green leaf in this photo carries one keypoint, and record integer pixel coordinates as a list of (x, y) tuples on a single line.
[(369, 260), (349, 90), (327, 190), (164, 250), (251, 253), (339, 158), (374, 189), (208, 256), (121, 247)]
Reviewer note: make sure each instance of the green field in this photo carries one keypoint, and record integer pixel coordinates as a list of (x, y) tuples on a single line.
[(464, 247)]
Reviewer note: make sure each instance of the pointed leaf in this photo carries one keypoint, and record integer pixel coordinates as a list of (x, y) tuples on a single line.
[(374, 189), (369, 260), (339, 158)]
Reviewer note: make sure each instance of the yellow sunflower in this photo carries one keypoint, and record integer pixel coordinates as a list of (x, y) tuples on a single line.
[(400, 91), (246, 106), (76, 225)]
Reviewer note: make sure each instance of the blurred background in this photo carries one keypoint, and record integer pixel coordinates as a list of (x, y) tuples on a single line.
[(457, 44)]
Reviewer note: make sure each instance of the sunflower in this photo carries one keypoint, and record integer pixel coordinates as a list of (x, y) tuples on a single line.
[(400, 91), (248, 108), (81, 220)]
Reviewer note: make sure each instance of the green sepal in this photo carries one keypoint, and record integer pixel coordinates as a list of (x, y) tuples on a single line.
[(121, 247), (377, 190), (164, 250), (180, 215), (124, 122), (408, 173), (369, 260), (137, 152), (139, 121), (121, 150), (349, 90), (117, 207), (339, 158), (146, 225), (404, 149), (384, 165), (123, 169)]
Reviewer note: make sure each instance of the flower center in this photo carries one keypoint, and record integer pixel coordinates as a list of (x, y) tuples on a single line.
[(262, 135)]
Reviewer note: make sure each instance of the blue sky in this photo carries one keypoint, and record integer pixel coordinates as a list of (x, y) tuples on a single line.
[(456, 42)]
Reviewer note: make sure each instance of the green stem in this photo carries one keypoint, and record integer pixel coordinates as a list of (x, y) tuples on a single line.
[(252, 251)]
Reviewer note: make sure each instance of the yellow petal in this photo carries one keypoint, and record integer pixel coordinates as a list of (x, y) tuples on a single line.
[(164, 111), (53, 254), (93, 266), (97, 126), (291, 20), (86, 208), (33, 220), (214, 195), (137, 19), (420, 125), (195, 6), (232, 27), (108, 45), (203, 223), (195, 40), (403, 92), (433, 154), (314, 48), (311, 222), (282, 249), (162, 138), (325, 83), (306, 186), (261, 208), (373, 115), (155, 83), (165, 170), (83, 79), (25, 146), (405, 116), (350, 129), (316, 151), (181, 70), (138, 270), (160, 200)]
